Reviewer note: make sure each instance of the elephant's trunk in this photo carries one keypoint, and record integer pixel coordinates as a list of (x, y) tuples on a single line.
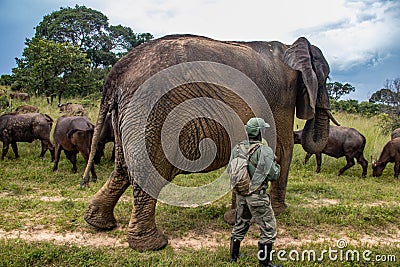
[(316, 132)]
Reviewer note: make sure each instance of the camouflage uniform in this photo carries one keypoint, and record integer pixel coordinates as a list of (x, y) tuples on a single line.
[(257, 205)]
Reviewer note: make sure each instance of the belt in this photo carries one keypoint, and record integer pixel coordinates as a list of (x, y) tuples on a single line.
[(261, 191)]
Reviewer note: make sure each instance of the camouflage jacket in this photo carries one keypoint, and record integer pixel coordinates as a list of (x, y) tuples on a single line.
[(266, 168)]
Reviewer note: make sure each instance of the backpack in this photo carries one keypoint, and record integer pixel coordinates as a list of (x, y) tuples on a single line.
[(238, 171)]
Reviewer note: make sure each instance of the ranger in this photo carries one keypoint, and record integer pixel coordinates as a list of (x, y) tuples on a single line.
[(252, 164)]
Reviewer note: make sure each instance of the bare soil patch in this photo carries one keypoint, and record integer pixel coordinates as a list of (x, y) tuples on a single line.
[(193, 240), (66, 238)]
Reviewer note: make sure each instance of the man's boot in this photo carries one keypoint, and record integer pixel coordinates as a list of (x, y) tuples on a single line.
[(264, 254), (234, 250)]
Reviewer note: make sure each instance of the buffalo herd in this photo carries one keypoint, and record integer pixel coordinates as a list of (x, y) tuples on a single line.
[(73, 134)]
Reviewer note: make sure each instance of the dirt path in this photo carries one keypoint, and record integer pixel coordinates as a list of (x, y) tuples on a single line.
[(194, 240), (190, 241)]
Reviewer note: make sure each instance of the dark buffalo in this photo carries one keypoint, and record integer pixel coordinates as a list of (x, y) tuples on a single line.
[(342, 142), (390, 153), (20, 96), (73, 134), (16, 127), (106, 136), (27, 109), (395, 133), (72, 109)]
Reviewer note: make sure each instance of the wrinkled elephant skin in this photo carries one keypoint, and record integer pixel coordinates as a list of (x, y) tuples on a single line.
[(290, 77)]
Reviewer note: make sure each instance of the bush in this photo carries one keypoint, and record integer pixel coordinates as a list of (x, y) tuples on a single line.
[(364, 108)]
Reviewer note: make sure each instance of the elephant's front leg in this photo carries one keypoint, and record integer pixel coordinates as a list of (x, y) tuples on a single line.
[(278, 187), (100, 213), (230, 215), (142, 231)]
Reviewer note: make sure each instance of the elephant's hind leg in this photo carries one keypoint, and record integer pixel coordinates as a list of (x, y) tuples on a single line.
[(142, 231), (100, 213)]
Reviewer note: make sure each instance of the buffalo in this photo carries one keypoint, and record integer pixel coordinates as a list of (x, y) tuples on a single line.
[(390, 153), (20, 96), (27, 109), (106, 136), (28, 127), (342, 142), (73, 134), (395, 133), (72, 109)]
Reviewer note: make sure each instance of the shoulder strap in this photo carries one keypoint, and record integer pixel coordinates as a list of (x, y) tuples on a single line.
[(253, 149)]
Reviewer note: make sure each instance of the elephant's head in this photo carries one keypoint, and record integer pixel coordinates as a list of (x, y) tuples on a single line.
[(312, 102)]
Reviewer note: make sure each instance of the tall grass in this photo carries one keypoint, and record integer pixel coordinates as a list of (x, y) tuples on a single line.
[(322, 208)]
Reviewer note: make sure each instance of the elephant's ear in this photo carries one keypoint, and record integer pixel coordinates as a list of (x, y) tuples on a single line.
[(299, 57)]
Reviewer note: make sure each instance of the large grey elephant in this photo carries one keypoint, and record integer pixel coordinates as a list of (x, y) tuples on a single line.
[(290, 77)]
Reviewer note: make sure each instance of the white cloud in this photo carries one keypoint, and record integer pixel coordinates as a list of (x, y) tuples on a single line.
[(368, 35), (349, 32), (223, 19)]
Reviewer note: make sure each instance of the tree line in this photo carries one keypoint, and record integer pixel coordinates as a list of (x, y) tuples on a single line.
[(71, 53), (73, 50), (385, 103)]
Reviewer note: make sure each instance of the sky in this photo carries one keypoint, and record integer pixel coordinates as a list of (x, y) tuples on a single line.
[(359, 39)]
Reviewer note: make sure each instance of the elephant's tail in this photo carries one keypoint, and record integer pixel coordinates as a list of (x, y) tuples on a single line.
[(106, 105)]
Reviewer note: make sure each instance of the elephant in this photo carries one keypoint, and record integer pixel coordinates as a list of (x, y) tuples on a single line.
[(290, 77)]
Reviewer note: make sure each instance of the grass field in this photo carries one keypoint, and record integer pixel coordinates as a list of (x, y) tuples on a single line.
[(42, 214)]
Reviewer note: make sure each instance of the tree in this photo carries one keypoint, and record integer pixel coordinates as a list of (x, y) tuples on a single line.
[(124, 39), (389, 95), (388, 99), (6, 79), (72, 52), (89, 30), (337, 89), (49, 68)]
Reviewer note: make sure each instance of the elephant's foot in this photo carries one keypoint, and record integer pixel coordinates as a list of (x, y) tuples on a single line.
[(155, 241), (100, 213), (230, 216), (279, 207), (100, 217)]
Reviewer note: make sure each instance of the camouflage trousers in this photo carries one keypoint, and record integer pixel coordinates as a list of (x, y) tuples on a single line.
[(256, 206)]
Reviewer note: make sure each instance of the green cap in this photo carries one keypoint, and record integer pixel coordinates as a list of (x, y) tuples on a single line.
[(254, 125)]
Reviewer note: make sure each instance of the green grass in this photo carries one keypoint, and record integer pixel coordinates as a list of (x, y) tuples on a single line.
[(19, 253), (322, 208)]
